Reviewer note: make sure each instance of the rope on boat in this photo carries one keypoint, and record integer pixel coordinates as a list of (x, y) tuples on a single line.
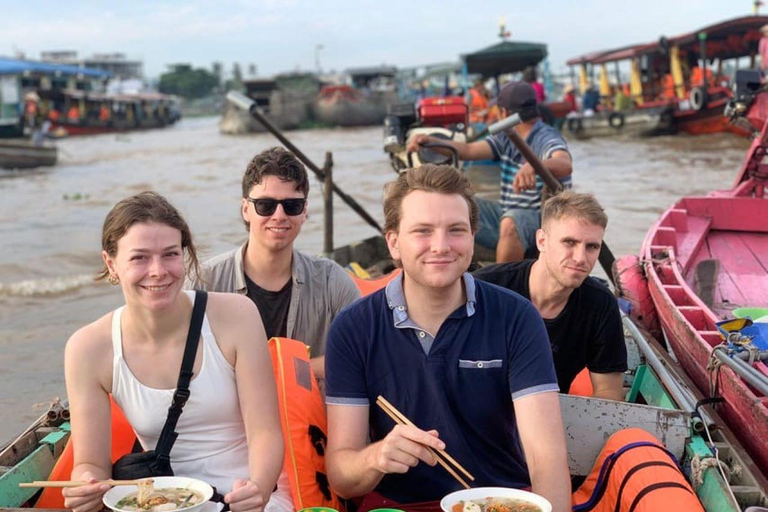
[(699, 466)]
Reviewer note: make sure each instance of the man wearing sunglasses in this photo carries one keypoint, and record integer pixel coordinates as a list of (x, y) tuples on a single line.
[(298, 295)]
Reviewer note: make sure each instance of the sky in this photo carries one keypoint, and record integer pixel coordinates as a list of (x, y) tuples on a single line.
[(290, 35)]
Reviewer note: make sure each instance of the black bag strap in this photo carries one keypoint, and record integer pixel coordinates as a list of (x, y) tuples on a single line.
[(181, 395)]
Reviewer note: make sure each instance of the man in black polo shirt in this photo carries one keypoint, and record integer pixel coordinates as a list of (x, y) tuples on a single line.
[(467, 362), (581, 315)]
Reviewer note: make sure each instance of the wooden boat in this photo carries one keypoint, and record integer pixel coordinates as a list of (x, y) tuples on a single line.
[(673, 72), (284, 99), (703, 258), (362, 102), (631, 123), (660, 400), (23, 154), (88, 113)]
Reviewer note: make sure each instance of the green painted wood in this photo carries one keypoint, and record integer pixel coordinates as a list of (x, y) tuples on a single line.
[(654, 393), (635, 389), (37, 466), (713, 492)]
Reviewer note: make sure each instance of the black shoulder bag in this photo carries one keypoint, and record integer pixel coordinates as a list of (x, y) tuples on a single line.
[(157, 462)]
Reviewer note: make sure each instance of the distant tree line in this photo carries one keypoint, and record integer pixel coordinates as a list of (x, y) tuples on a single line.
[(182, 80)]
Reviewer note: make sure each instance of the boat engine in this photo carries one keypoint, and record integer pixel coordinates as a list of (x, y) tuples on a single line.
[(400, 116)]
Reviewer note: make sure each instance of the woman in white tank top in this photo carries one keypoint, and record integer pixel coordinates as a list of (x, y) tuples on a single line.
[(229, 430)]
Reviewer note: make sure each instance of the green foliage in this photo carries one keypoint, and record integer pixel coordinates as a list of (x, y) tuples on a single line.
[(186, 82)]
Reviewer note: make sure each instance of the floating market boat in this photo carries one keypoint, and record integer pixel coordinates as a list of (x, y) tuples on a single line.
[(630, 123), (675, 72), (362, 102), (23, 154), (285, 99), (75, 112), (703, 259)]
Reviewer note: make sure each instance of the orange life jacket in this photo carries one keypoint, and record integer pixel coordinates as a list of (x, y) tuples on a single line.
[(302, 417), (123, 439), (368, 286), (634, 472), (478, 106)]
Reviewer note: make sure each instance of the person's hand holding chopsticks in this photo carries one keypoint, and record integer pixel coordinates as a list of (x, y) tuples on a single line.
[(85, 498), (404, 447)]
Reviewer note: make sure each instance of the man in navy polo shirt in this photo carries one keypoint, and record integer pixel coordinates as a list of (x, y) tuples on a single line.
[(467, 362)]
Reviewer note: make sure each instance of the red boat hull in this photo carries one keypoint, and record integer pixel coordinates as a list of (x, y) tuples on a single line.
[(731, 229), (79, 129)]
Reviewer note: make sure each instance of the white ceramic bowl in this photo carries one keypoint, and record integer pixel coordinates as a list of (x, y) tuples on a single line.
[(479, 493), (115, 494)]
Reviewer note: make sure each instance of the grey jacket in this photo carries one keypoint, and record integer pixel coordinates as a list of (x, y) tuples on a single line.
[(321, 288)]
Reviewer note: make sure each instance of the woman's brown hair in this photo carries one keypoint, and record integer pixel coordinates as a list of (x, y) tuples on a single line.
[(146, 207)]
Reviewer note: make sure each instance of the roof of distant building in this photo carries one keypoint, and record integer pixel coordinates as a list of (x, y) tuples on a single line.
[(15, 66)]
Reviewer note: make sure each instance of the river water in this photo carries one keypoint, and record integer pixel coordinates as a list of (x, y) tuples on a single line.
[(50, 222)]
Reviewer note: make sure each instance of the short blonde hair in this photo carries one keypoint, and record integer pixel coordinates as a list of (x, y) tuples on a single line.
[(572, 204)]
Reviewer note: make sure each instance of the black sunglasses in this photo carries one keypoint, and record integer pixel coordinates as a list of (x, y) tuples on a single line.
[(266, 206)]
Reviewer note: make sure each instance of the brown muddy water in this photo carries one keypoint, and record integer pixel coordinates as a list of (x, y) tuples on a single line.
[(50, 221)]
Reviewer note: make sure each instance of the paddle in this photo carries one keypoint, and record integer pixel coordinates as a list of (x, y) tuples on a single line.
[(507, 125), (244, 102)]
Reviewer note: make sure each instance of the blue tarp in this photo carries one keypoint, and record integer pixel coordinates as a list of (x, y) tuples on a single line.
[(17, 67)]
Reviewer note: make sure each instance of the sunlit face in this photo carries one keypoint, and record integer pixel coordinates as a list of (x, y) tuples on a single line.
[(569, 247), (149, 264), (274, 232), (434, 240)]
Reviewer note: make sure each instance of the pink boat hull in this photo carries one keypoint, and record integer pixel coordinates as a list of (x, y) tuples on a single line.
[(731, 228)]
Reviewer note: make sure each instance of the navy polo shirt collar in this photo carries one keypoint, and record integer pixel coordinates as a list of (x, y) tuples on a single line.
[(396, 298)]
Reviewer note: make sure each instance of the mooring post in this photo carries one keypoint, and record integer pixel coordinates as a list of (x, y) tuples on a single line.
[(328, 204)]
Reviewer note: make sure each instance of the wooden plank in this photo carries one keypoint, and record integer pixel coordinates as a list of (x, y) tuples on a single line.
[(745, 270), (589, 422), (37, 466), (19, 450), (732, 267)]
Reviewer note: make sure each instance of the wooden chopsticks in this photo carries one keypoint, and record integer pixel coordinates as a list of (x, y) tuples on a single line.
[(401, 419), (79, 483)]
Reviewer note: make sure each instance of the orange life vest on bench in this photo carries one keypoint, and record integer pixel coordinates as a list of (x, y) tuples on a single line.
[(635, 473)]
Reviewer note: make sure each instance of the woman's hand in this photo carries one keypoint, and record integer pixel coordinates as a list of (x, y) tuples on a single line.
[(86, 498), (245, 497)]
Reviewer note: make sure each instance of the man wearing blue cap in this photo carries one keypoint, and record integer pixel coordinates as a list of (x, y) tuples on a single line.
[(511, 224)]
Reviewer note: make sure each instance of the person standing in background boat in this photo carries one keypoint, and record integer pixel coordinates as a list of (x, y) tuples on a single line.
[(467, 362), (762, 49), (478, 103), (229, 432), (580, 313), (297, 295), (510, 226), (530, 77)]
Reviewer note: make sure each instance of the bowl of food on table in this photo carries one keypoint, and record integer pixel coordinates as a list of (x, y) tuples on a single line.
[(159, 494), (494, 499)]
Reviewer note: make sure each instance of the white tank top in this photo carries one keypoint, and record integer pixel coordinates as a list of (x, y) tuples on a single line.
[(212, 444)]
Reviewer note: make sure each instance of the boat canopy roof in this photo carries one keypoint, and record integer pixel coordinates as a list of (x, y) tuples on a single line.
[(18, 67), (371, 72), (504, 57), (724, 40)]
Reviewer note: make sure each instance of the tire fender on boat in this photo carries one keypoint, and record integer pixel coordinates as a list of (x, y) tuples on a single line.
[(616, 120), (632, 286), (575, 125), (698, 98)]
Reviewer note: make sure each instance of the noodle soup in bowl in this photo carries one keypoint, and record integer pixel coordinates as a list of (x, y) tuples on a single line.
[(170, 494), (494, 499)]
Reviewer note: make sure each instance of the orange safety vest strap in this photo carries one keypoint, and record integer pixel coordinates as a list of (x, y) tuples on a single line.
[(123, 439), (635, 472), (368, 286), (302, 417)]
